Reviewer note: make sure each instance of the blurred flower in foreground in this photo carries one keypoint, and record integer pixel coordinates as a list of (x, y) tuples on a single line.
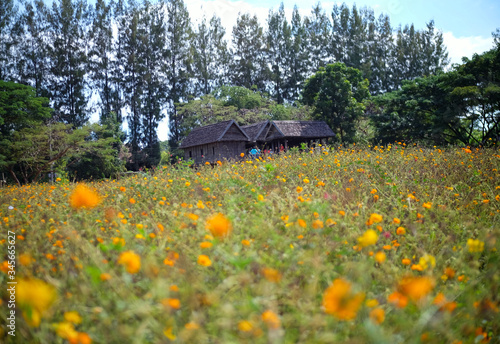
[(219, 225), (84, 197), (131, 261), (34, 297), (339, 301), (271, 319), (475, 245), (415, 288), (370, 237)]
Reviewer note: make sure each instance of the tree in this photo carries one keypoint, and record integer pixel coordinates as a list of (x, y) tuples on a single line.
[(337, 93), (210, 56), (178, 64), (32, 53), (99, 57), (279, 49), (69, 61), (318, 30), (7, 21), (249, 64), (299, 57)]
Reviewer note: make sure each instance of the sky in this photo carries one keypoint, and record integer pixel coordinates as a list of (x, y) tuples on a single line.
[(466, 25)]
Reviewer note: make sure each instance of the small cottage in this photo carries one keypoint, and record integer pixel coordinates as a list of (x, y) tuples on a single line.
[(223, 140), (227, 139)]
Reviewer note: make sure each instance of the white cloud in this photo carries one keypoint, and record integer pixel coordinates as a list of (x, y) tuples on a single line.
[(459, 47)]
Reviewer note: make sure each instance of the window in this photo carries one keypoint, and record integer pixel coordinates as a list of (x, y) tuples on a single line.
[(213, 150), (190, 154), (202, 151)]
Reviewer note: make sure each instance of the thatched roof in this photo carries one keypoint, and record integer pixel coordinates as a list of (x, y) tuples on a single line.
[(257, 132), (306, 129), (210, 134)]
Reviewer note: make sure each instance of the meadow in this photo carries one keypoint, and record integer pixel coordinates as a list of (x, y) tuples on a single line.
[(384, 244)]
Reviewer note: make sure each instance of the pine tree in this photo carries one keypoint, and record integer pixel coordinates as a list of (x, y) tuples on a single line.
[(318, 28), (249, 65), (299, 57), (8, 17), (99, 57), (153, 50), (32, 60), (68, 55), (279, 49), (178, 63), (210, 56), (132, 83)]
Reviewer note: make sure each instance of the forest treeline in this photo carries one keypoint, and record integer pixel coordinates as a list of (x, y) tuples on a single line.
[(141, 61)]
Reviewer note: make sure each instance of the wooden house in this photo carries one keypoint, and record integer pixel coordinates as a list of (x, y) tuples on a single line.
[(226, 140), (223, 140)]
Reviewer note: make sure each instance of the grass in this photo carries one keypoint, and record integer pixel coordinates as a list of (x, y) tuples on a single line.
[(145, 265)]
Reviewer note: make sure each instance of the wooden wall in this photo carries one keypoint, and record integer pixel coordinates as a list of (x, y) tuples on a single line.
[(215, 151)]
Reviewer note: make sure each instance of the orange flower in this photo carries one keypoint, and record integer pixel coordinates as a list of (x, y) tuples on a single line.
[(374, 218), (400, 231), (377, 315), (206, 244), (172, 303), (398, 299), (317, 224), (339, 301), (219, 225), (415, 288), (271, 319), (131, 261), (84, 197), (406, 261), (302, 223), (272, 275), (444, 305), (204, 260), (245, 326)]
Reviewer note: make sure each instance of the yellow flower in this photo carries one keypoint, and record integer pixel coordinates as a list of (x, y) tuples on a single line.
[(73, 317), (427, 261), (131, 261), (475, 245), (339, 301), (66, 330), (34, 297), (271, 319), (299, 189), (370, 237), (168, 332), (84, 197), (204, 260), (245, 326), (219, 225), (380, 257)]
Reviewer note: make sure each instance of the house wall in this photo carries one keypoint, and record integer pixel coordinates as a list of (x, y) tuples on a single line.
[(214, 151)]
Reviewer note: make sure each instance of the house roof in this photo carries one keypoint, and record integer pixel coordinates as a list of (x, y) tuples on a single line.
[(210, 133), (311, 129)]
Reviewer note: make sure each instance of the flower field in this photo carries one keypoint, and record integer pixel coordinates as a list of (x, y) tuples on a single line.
[(392, 244)]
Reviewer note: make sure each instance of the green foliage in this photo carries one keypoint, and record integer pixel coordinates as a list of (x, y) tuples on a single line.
[(458, 106), (337, 93)]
